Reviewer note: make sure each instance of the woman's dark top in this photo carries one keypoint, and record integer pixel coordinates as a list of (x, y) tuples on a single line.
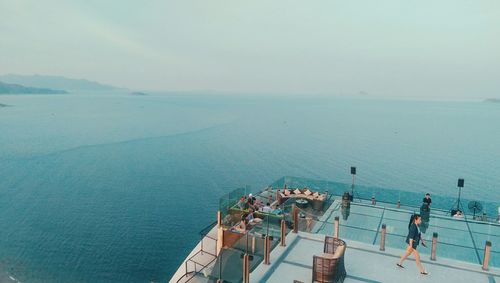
[(428, 201), (413, 233)]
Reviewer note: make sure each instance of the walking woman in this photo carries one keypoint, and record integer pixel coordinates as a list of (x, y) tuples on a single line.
[(413, 239)]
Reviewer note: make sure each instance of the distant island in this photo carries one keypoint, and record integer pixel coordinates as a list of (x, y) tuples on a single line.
[(56, 82), (492, 100), (20, 89), (3, 105), (138, 93)]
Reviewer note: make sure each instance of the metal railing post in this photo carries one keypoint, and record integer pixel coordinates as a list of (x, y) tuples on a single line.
[(220, 234), (186, 267), (220, 280), (246, 269), (382, 238), (336, 228), (253, 244), (434, 245), (267, 249), (487, 251), (283, 233), (295, 219)]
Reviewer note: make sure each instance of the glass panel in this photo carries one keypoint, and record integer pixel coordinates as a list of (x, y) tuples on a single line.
[(357, 234), (229, 266), (409, 200), (230, 200), (483, 232)]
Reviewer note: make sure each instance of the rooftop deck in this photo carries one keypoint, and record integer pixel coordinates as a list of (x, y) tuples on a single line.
[(461, 239), (364, 263), (460, 244)]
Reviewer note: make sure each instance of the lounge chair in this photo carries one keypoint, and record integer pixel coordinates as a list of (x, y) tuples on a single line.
[(329, 267), (331, 244)]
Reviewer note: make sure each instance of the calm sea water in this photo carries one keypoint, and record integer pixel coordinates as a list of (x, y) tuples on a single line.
[(114, 188)]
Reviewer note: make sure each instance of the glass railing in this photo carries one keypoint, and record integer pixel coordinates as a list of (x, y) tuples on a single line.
[(240, 238), (230, 200), (390, 197), (460, 239), (229, 264)]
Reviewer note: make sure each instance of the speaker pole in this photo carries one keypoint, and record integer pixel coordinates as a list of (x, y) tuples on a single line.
[(352, 186), (353, 173), (460, 186)]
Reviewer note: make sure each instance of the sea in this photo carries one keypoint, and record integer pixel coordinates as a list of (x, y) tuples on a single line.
[(113, 187)]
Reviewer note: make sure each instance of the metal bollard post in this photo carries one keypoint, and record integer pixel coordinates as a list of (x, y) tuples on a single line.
[(253, 244), (283, 233), (246, 269), (220, 234), (267, 249), (399, 204), (434, 245), (295, 219), (382, 238), (336, 228), (373, 200), (487, 250)]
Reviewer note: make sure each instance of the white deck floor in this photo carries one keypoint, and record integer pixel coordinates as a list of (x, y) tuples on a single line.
[(364, 263)]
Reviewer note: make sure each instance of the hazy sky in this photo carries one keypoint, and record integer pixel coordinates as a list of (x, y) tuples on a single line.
[(438, 48)]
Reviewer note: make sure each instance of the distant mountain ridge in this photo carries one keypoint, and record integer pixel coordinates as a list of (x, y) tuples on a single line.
[(492, 100), (20, 89), (55, 82)]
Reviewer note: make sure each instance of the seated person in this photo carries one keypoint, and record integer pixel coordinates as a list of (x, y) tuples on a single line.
[(267, 208), (251, 219), (252, 201), (458, 214), (242, 226), (242, 202), (257, 204)]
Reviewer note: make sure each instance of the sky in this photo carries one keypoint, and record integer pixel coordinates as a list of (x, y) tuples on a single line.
[(429, 49)]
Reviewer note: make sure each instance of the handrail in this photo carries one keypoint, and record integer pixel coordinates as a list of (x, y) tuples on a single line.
[(204, 232), (465, 219)]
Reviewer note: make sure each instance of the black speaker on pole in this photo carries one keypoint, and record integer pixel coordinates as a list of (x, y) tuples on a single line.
[(460, 185), (353, 170)]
